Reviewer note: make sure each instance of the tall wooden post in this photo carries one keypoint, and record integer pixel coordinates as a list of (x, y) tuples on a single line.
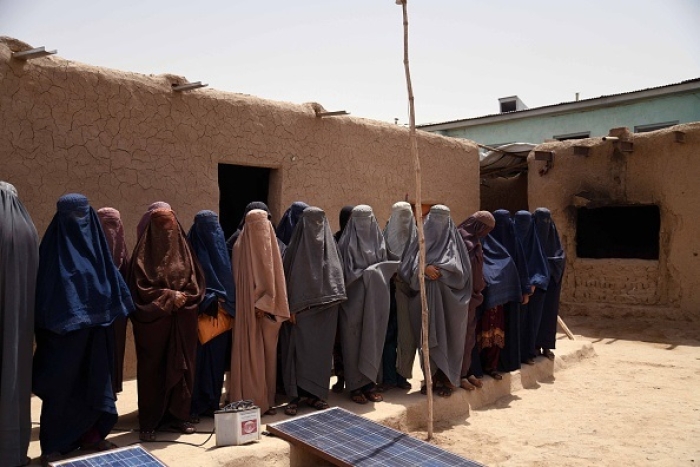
[(419, 220)]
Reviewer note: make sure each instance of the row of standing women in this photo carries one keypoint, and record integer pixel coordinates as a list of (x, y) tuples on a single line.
[(298, 295)]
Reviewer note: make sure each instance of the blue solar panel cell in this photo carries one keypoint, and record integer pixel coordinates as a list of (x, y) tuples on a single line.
[(347, 439), (132, 456)]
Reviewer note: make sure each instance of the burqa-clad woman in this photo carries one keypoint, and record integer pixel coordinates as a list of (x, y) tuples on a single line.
[(249, 207), (504, 233), (364, 316), (289, 220), (400, 346), (538, 269), (209, 246), (79, 295), (315, 287), (473, 230), (143, 223), (113, 229), (167, 284), (343, 218), (556, 258), (502, 286), (448, 289), (19, 260), (261, 307)]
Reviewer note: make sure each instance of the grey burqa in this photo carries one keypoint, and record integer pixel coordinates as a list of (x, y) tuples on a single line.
[(315, 287), (448, 296), (364, 316), (19, 260)]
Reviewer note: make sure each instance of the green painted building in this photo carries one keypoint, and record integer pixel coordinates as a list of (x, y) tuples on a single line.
[(644, 110)]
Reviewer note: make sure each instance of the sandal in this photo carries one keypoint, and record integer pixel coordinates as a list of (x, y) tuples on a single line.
[(186, 428), (358, 397), (102, 445), (443, 391), (147, 435), (373, 396), (271, 411), (475, 381), (318, 404), (548, 353), (495, 375), (405, 385), (291, 407)]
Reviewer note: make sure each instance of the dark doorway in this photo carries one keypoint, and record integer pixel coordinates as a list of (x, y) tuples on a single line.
[(618, 232), (238, 186)]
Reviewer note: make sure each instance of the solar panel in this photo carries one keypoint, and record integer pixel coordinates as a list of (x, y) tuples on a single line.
[(346, 439), (131, 456)]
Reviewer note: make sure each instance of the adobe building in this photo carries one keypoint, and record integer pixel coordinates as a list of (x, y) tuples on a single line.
[(126, 140), (627, 209)]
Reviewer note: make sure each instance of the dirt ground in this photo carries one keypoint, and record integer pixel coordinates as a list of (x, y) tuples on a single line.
[(635, 404)]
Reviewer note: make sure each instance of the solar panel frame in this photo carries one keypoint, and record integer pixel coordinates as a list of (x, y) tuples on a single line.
[(349, 440), (130, 456)]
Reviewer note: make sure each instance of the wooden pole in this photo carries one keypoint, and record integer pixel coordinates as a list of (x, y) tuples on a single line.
[(419, 222), (566, 329)]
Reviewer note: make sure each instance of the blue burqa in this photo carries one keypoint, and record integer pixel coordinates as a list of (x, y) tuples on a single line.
[(556, 258), (209, 246), (289, 220), (80, 293)]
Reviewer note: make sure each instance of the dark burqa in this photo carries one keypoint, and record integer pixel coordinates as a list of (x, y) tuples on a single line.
[(538, 268), (114, 233), (343, 218), (400, 345), (165, 336), (472, 230), (208, 244), (556, 258), (253, 205), (364, 316), (504, 232), (79, 294), (19, 260), (448, 296), (289, 220), (315, 287)]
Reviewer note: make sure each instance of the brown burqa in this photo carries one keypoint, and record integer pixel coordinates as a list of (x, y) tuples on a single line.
[(166, 336), (472, 230), (261, 307), (114, 233)]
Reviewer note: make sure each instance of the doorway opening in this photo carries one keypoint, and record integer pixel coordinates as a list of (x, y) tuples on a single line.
[(618, 232), (238, 186)]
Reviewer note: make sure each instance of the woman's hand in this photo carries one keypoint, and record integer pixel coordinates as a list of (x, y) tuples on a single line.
[(432, 272), (180, 299)]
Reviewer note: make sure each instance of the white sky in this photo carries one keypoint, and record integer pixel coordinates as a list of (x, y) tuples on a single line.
[(348, 55)]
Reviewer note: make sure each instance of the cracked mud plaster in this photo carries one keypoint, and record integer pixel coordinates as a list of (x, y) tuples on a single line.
[(659, 171)]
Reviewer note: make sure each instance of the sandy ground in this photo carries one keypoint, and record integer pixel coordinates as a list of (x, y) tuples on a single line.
[(636, 403)]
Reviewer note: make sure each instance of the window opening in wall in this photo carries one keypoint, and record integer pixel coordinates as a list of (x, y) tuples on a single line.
[(618, 232), (579, 135), (238, 186), (653, 126)]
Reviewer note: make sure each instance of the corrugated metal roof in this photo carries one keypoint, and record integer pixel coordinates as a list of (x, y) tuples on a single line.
[(694, 80)]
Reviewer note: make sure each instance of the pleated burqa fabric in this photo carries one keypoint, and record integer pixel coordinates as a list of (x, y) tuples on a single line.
[(364, 316), (398, 234), (19, 261), (538, 269), (113, 228), (473, 230), (504, 232), (556, 260), (209, 246), (448, 296), (261, 307), (314, 275), (165, 335), (80, 293)]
